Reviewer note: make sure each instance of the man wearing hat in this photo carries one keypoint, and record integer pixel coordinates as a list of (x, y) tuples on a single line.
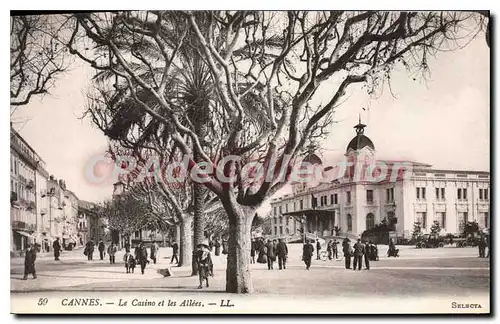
[(204, 262), (282, 252)]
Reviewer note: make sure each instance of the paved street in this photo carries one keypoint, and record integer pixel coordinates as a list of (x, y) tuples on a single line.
[(446, 271)]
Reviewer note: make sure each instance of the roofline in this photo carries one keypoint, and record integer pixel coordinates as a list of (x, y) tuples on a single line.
[(12, 130)]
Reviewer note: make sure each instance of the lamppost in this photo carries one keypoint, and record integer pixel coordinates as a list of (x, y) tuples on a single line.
[(303, 221)]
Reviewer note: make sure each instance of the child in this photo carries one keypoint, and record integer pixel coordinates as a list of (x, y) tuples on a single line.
[(129, 262), (204, 262)]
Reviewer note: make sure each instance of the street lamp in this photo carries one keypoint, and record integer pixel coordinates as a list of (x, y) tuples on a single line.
[(303, 221)]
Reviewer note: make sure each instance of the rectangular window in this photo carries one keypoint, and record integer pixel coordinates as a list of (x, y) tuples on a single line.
[(287, 220), (441, 219), (423, 193), (459, 193), (486, 194), (387, 195), (280, 210), (348, 194), (332, 200), (437, 193), (464, 193), (422, 219), (286, 208), (281, 230), (336, 199), (275, 230), (275, 211), (294, 206), (301, 204), (480, 194), (418, 193), (443, 193), (369, 196)]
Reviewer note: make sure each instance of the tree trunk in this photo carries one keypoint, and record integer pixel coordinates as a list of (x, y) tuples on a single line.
[(198, 211), (186, 242), (238, 276)]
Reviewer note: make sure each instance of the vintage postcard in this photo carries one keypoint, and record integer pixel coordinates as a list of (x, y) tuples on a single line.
[(250, 162)]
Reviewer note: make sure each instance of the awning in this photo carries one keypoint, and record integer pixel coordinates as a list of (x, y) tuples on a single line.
[(25, 234)]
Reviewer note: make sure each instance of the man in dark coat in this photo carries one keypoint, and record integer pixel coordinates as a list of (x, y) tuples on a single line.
[(253, 248), (127, 247), (56, 246), (282, 253), (346, 249), (482, 247), (142, 256), (101, 247), (307, 253), (217, 247), (368, 253), (359, 250), (90, 250), (271, 254), (334, 249), (175, 250), (318, 248), (154, 251), (29, 261)]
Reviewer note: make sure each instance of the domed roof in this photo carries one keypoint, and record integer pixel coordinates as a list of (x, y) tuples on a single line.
[(360, 140)]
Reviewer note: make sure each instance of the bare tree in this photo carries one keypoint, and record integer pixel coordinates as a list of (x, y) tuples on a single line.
[(267, 68), (36, 59)]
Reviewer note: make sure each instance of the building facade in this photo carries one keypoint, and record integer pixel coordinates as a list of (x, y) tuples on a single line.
[(89, 224), (365, 191), (23, 210), (42, 208)]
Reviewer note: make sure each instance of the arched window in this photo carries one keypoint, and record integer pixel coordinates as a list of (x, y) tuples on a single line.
[(370, 221), (349, 223)]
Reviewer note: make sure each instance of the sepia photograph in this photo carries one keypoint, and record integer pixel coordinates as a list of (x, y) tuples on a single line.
[(250, 162)]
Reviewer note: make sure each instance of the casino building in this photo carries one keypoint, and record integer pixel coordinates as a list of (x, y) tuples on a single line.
[(365, 190)]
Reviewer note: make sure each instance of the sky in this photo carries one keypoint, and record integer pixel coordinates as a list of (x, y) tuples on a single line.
[(444, 122)]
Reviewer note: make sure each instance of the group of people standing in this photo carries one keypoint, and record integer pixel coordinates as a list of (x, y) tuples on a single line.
[(269, 252), (359, 252)]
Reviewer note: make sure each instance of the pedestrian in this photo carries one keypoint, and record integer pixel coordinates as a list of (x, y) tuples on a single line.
[(175, 250), (262, 253), (101, 247), (29, 261), (204, 262), (307, 253), (368, 250), (90, 250), (318, 248), (56, 246), (224, 246), (329, 249), (334, 249), (129, 260), (346, 249), (282, 252), (253, 248), (112, 252), (488, 245), (217, 247), (358, 255), (154, 252), (271, 254), (142, 256), (127, 246), (482, 247), (211, 245)]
